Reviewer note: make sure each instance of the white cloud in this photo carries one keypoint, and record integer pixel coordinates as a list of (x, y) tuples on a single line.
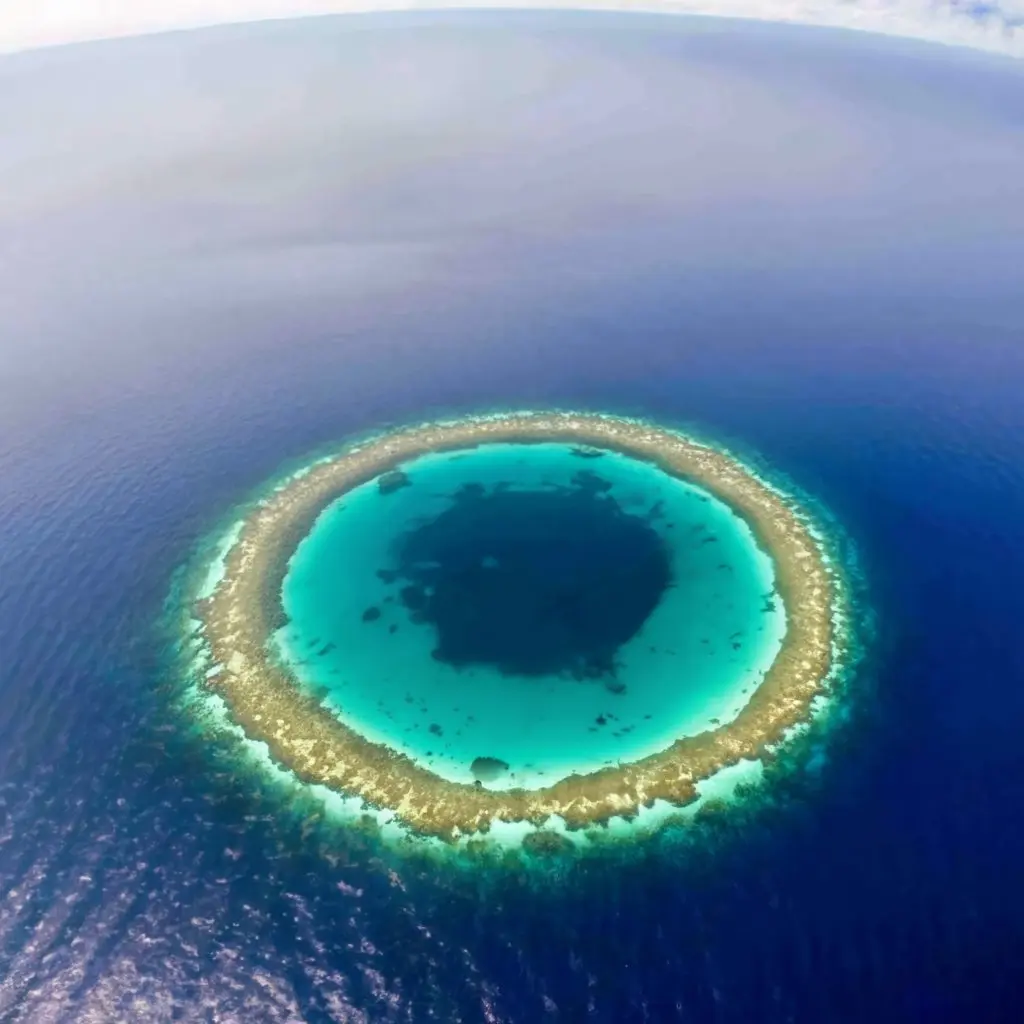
[(994, 25)]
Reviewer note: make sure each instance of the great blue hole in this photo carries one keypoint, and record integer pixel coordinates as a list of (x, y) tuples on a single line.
[(532, 582)]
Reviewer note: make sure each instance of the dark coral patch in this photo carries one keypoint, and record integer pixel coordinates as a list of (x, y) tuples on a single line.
[(388, 483), (488, 769)]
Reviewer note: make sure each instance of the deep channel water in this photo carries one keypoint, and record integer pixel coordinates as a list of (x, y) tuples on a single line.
[(550, 608)]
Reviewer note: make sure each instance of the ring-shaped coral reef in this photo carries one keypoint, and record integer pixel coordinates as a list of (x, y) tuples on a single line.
[(242, 610)]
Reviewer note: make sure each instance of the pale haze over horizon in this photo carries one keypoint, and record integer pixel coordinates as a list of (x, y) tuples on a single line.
[(997, 26)]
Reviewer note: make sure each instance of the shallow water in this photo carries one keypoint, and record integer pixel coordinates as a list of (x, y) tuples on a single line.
[(692, 663)]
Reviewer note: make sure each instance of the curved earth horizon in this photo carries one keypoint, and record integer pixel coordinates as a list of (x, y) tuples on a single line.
[(996, 27)]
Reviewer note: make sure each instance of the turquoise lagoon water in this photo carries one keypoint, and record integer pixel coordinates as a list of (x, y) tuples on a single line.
[(372, 638)]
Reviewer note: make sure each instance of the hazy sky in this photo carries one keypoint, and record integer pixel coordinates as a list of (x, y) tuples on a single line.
[(996, 25), (314, 174)]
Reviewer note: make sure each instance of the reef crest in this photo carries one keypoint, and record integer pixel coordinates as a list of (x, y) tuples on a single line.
[(265, 700)]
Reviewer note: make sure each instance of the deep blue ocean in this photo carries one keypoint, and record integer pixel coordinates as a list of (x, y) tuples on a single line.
[(592, 213)]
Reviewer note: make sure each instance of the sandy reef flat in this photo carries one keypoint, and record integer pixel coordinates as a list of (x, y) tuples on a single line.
[(244, 609)]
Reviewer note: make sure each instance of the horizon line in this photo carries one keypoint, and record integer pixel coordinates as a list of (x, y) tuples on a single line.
[(995, 27)]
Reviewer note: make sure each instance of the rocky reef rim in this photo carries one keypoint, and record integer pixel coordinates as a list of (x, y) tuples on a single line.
[(240, 609)]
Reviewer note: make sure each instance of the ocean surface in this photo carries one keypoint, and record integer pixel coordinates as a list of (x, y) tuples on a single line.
[(515, 602), (226, 250)]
